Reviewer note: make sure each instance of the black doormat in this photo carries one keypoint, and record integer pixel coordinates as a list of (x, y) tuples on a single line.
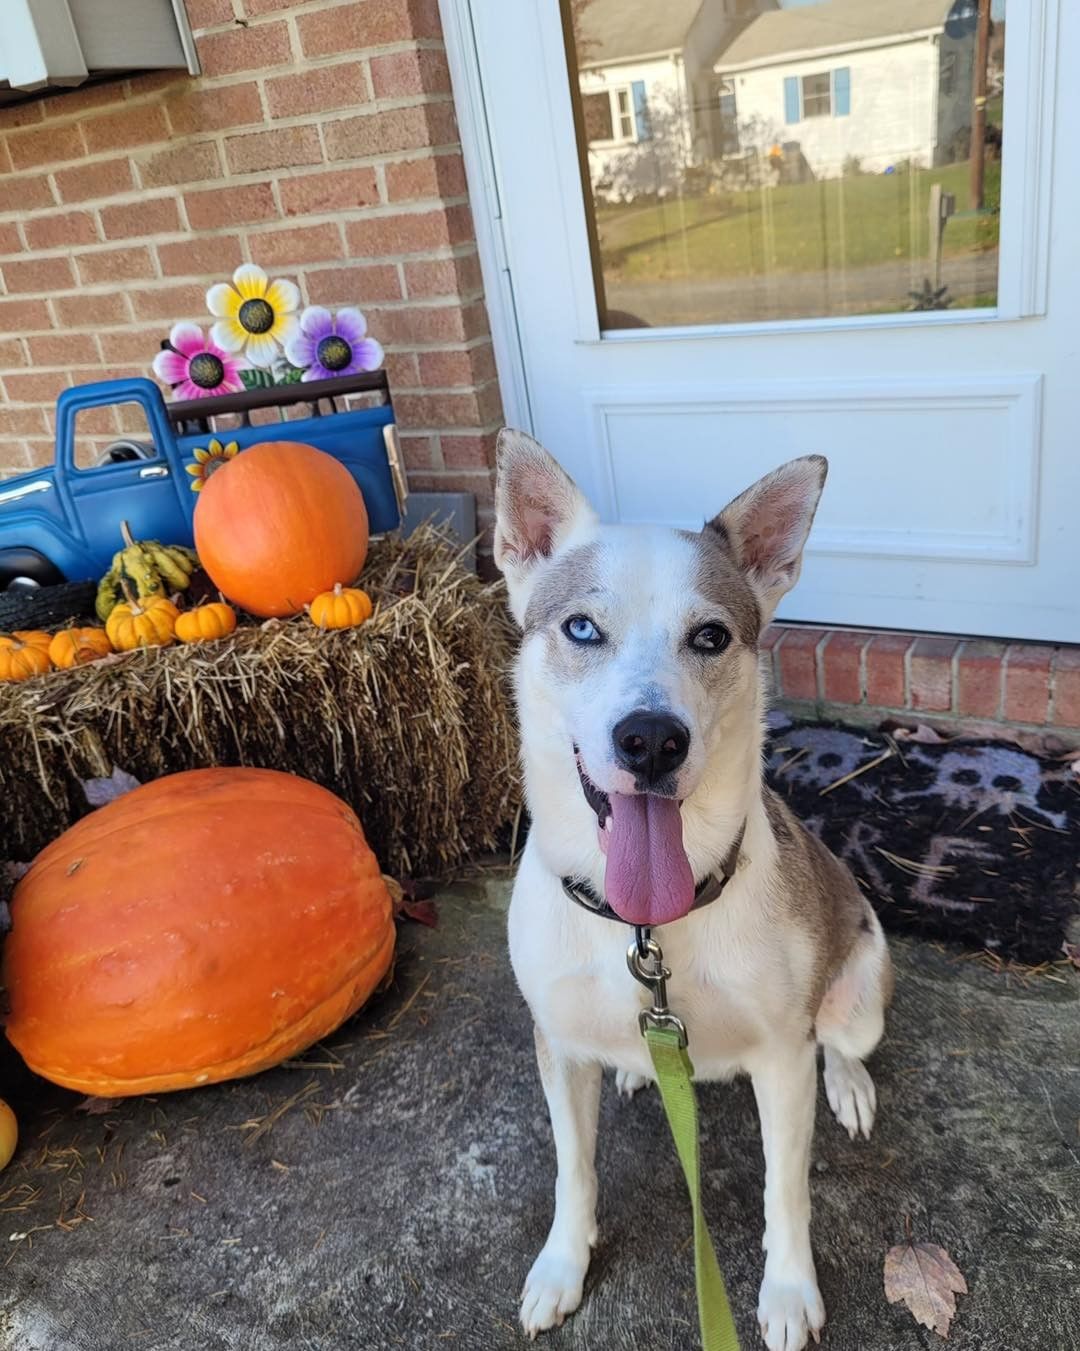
[(969, 842)]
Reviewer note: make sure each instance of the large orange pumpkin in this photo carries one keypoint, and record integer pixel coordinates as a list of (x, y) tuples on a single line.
[(202, 927), (279, 524)]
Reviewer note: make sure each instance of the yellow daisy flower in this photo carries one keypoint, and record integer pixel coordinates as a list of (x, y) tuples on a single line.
[(208, 460), (256, 316)]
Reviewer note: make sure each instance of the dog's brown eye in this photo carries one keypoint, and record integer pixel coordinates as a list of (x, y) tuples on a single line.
[(710, 638)]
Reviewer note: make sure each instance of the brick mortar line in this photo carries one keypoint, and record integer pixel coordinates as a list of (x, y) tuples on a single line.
[(819, 661), (928, 716), (287, 172), (864, 674), (217, 136), (465, 345), (91, 289), (346, 215)]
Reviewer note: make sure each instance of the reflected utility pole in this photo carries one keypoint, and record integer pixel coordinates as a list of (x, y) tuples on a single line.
[(978, 110)]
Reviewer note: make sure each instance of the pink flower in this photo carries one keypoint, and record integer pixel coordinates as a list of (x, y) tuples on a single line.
[(196, 366)]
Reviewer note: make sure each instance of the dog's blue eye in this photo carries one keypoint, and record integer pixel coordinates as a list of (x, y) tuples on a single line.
[(580, 629), (710, 638)]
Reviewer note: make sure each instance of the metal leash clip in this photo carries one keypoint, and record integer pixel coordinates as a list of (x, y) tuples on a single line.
[(645, 958)]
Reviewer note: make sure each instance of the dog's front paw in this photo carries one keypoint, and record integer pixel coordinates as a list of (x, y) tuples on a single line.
[(789, 1312), (552, 1290)]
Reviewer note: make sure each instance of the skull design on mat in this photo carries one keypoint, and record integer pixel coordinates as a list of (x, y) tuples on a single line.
[(1001, 780), (817, 757)]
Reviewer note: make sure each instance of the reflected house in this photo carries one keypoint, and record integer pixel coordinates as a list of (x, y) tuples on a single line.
[(648, 90), (692, 96), (849, 85)]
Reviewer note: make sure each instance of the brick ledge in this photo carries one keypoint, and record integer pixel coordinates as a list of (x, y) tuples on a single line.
[(967, 684)]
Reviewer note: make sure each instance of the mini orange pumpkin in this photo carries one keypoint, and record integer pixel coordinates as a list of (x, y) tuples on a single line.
[(33, 637), (345, 607), (76, 647), (262, 923), (150, 622), (9, 1134), (21, 659), (206, 622)]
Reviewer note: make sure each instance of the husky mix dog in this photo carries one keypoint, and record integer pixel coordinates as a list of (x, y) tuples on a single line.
[(641, 710)]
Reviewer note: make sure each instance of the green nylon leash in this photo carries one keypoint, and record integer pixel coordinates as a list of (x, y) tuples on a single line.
[(665, 1036), (673, 1072)]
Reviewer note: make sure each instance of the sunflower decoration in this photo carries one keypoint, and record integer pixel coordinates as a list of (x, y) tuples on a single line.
[(328, 344), (208, 460), (195, 366), (255, 316)]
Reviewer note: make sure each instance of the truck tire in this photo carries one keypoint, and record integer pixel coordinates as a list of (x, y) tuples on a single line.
[(20, 567), (46, 607)]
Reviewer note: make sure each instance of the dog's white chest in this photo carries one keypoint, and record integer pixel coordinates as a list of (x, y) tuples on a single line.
[(572, 970)]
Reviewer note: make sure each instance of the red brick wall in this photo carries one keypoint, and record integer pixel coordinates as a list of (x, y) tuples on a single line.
[(320, 143), (951, 682)]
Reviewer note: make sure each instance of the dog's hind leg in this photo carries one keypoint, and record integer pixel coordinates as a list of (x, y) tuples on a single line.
[(554, 1284), (849, 1025), (627, 1083)]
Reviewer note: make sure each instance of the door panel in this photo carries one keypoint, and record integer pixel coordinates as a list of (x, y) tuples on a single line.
[(954, 482)]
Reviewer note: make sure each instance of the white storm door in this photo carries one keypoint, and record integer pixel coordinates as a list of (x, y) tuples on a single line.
[(716, 248)]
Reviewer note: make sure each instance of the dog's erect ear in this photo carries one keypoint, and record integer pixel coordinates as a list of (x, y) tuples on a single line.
[(537, 505), (766, 527)]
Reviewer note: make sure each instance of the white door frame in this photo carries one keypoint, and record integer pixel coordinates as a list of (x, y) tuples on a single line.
[(1031, 60), (482, 179)]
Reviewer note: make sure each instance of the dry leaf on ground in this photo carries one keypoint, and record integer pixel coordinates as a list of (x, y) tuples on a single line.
[(927, 735), (98, 1106), (926, 1278)]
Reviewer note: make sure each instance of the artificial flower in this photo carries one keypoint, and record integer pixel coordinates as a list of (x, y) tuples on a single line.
[(256, 316), (197, 367), (333, 344), (206, 461)]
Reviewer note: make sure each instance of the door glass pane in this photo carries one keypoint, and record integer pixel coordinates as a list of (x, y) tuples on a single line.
[(750, 160)]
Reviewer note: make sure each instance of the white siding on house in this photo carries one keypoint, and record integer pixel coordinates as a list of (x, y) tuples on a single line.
[(893, 116), (655, 163)]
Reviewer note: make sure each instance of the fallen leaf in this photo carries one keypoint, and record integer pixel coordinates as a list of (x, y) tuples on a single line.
[(410, 899), (925, 1277), (98, 1106), (423, 912), (1072, 951), (921, 733)]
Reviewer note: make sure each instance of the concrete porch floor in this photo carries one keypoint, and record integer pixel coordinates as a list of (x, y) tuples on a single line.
[(400, 1203)]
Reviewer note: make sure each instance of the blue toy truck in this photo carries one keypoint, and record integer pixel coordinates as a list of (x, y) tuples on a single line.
[(62, 523)]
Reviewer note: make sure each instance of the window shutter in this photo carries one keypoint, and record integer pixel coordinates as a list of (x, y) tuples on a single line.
[(641, 111), (841, 81), (791, 98)]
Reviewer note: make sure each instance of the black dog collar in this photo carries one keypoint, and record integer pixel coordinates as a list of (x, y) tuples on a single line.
[(707, 890)]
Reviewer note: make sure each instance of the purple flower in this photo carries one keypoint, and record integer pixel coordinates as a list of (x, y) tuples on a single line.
[(333, 344)]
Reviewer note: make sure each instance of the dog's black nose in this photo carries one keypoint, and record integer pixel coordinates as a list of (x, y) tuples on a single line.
[(651, 745)]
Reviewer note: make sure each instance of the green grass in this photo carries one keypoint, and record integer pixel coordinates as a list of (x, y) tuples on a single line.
[(830, 224)]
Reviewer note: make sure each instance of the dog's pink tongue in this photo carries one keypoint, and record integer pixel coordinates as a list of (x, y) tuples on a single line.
[(647, 879)]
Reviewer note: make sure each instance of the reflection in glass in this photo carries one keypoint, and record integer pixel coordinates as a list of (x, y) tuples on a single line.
[(751, 160)]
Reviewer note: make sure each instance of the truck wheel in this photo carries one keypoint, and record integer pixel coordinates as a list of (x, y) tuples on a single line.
[(24, 569), (46, 607)]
